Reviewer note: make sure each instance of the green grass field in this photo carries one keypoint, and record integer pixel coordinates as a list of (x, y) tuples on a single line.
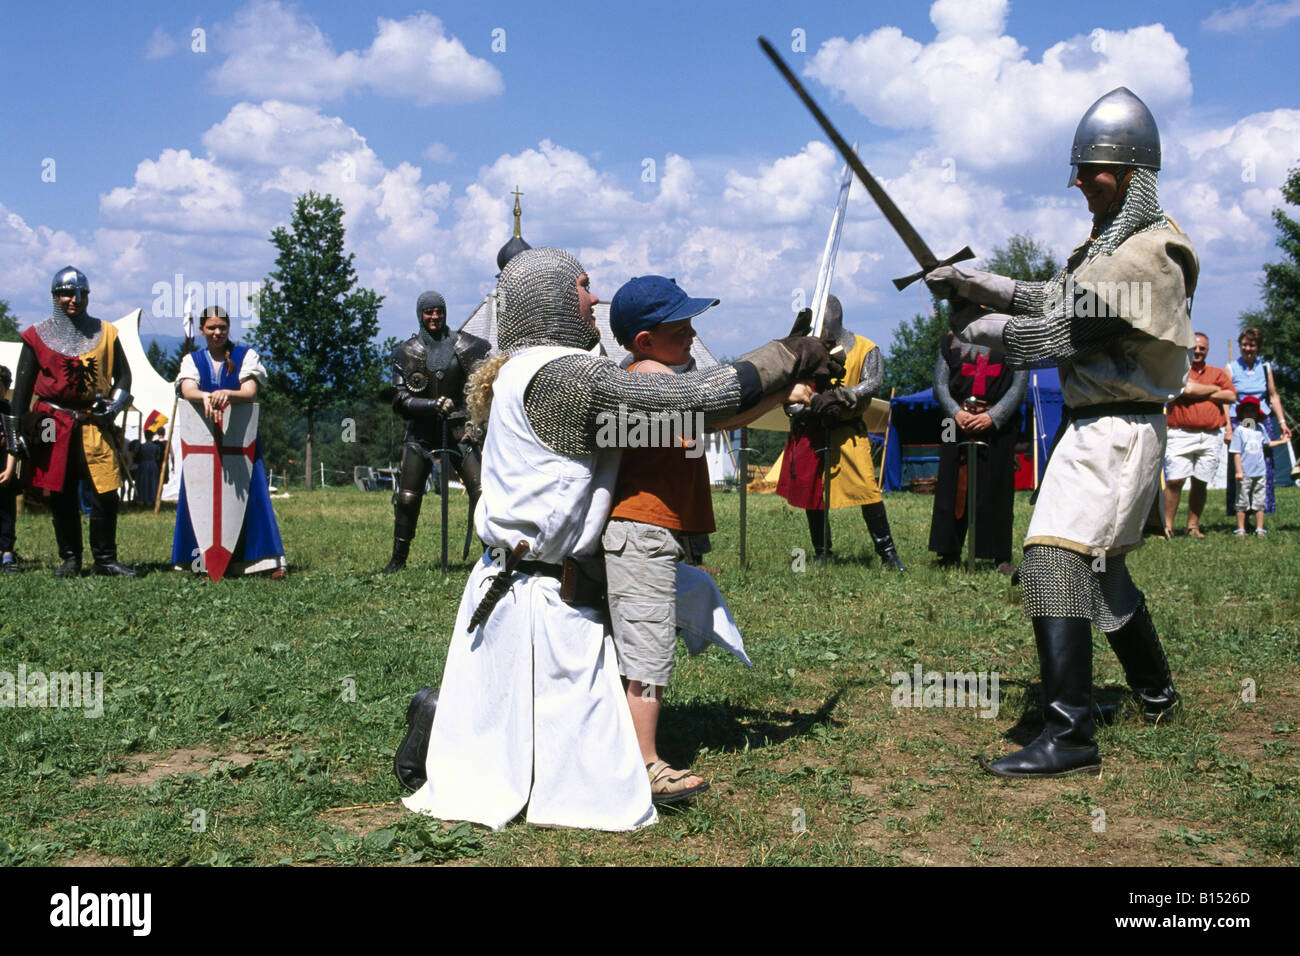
[(254, 722)]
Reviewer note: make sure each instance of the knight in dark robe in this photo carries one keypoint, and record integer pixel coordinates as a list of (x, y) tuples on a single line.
[(979, 391), (429, 373)]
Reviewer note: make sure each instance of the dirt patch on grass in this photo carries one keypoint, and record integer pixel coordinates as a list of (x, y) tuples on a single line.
[(362, 820), (146, 769)]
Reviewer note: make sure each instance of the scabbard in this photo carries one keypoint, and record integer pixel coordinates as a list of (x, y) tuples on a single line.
[(499, 586)]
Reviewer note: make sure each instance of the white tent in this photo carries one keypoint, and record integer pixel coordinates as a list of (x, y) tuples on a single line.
[(719, 445), (152, 392)]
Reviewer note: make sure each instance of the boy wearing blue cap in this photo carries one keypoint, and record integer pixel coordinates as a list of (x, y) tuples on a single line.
[(661, 498)]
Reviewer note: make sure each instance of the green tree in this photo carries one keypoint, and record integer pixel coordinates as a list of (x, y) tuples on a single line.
[(909, 366), (1023, 257), (315, 330), (167, 364), (1279, 317), (8, 324)]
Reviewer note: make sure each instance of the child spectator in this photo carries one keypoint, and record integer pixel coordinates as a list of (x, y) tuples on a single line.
[(660, 500), (1247, 451)]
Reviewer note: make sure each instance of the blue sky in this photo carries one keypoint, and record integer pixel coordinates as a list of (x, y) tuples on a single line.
[(165, 160)]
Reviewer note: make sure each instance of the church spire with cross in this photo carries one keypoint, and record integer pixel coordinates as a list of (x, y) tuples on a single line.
[(516, 244)]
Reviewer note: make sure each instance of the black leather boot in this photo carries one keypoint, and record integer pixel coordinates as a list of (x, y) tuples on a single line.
[(1066, 745), (820, 531), (70, 568), (406, 515), (67, 533), (103, 541), (401, 549), (1137, 646), (408, 763), (878, 526)]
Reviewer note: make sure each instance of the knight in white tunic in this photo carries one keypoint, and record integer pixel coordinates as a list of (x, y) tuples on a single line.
[(1116, 323), (531, 712)]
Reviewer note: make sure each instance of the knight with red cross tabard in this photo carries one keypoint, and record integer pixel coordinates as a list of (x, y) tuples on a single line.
[(978, 390)]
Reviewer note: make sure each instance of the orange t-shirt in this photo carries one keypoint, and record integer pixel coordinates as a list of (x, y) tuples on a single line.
[(663, 487), (1203, 415)]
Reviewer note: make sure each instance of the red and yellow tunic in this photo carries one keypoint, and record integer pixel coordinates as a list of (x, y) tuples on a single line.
[(71, 382), (853, 480)]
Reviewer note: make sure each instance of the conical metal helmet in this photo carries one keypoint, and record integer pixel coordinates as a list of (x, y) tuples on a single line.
[(70, 278), (1117, 129)]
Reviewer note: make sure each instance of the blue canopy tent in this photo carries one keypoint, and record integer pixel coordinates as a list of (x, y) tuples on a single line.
[(916, 420)]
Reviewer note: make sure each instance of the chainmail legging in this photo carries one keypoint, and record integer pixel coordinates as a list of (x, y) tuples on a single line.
[(1057, 582)]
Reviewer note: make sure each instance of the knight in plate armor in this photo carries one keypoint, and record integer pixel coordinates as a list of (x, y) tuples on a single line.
[(429, 373)]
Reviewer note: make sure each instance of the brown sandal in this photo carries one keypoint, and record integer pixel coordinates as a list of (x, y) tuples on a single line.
[(1195, 532), (667, 786)]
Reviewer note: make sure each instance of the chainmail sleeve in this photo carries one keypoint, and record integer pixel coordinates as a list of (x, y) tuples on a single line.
[(1010, 403), (1076, 326), (566, 396), (1030, 298), (942, 391), (873, 375)]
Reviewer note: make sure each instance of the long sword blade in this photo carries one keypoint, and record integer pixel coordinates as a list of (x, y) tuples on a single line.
[(926, 259), (827, 270)]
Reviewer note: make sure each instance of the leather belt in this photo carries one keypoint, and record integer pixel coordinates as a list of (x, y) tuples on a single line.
[(1114, 408)]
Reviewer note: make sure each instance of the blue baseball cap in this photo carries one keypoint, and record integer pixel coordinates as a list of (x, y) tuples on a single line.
[(646, 301)]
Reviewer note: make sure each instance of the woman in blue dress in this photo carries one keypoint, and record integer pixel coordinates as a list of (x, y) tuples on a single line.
[(222, 374), (1252, 376)]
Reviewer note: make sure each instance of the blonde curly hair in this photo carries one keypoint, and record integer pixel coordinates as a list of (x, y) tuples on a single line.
[(478, 389)]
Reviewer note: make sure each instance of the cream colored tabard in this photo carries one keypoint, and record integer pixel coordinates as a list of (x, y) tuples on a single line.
[(1101, 483)]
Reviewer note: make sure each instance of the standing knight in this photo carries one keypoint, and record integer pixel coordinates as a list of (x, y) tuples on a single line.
[(1121, 358), (429, 373), (834, 419), (81, 380)]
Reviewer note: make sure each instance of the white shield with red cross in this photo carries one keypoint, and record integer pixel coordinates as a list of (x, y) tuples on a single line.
[(217, 465)]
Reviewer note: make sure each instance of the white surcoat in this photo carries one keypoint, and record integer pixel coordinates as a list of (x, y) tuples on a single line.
[(531, 711)]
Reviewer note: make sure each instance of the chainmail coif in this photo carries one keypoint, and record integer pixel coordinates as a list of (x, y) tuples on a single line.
[(1062, 329), (68, 335), (1139, 211), (537, 302)]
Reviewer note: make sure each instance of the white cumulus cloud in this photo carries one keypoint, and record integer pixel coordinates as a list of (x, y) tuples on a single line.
[(275, 52), (785, 191), (978, 96)]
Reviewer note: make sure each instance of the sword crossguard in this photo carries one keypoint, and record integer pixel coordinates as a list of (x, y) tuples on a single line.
[(905, 281)]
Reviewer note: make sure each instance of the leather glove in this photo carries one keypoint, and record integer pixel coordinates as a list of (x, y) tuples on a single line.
[(830, 406), (813, 359), (972, 285)]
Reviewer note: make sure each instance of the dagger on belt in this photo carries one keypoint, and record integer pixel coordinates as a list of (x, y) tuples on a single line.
[(926, 259), (499, 585)]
